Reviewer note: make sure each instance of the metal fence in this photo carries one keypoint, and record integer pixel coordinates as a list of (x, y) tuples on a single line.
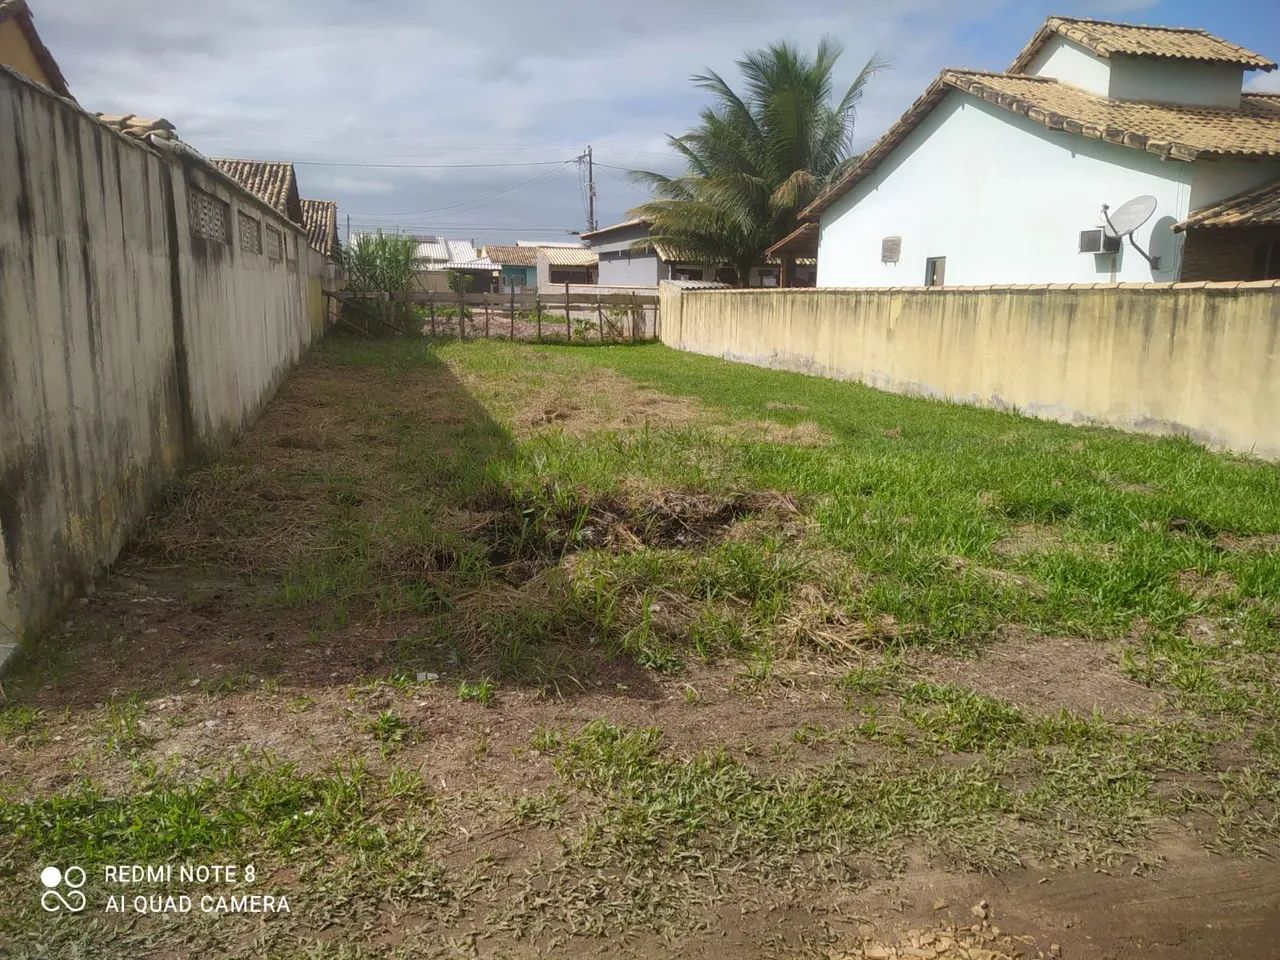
[(575, 315)]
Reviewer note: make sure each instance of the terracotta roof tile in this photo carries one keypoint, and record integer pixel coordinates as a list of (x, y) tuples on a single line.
[(140, 128), (320, 218), (1178, 131), (1253, 208), (1135, 40), (512, 256), (272, 181)]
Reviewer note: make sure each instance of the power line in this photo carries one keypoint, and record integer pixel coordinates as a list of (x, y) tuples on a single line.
[(429, 166)]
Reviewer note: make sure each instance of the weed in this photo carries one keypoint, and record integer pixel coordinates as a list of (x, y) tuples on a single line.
[(482, 691)]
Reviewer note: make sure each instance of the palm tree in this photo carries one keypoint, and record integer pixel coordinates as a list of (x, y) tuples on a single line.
[(755, 159)]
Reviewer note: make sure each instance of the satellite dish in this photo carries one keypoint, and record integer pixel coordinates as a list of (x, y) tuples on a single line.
[(1129, 216)]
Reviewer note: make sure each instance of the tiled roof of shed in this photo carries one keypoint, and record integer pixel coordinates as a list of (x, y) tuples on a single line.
[(1136, 40), (512, 256), (1258, 207), (272, 181), (569, 256), (320, 218), (18, 11), (1170, 130)]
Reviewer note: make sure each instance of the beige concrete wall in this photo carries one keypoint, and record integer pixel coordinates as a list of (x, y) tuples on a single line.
[(1201, 360), (127, 345)]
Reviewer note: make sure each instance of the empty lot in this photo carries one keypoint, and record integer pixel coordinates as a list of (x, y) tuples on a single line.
[(490, 649)]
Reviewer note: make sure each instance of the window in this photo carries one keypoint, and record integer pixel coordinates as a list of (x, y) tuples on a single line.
[(935, 271), (570, 275), (250, 233), (687, 273), (1266, 260), (727, 275), (210, 217), (275, 244)]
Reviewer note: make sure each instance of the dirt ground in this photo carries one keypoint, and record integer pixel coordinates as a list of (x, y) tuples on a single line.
[(272, 614)]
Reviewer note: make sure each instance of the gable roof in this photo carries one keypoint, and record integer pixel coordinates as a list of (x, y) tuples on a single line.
[(320, 218), (1136, 40), (512, 256), (272, 181), (1178, 131), (1259, 207), (20, 13)]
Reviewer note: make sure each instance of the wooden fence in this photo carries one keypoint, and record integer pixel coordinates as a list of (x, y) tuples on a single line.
[(571, 316)]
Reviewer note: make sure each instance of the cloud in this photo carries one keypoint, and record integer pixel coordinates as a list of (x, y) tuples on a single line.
[(403, 82)]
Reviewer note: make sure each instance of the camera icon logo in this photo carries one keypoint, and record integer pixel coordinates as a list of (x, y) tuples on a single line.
[(62, 889)]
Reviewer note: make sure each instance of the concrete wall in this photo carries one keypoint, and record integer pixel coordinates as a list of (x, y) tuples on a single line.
[(1196, 359), (1004, 199), (128, 345)]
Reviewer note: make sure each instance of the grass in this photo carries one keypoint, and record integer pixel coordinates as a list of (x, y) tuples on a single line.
[(666, 548)]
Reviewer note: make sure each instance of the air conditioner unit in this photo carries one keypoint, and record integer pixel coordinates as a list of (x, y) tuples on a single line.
[(1098, 241)]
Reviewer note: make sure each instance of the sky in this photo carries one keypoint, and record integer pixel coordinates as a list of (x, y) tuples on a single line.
[(464, 119)]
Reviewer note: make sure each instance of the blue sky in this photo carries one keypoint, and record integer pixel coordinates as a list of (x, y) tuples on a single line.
[(490, 88)]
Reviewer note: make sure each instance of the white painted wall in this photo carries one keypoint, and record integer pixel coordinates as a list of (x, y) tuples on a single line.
[(1065, 60), (1175, 81), (1004, 199), (1139, 78), (1214, 180)]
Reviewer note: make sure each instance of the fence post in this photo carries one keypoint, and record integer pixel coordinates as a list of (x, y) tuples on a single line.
[(600, 317), (513, 311), (568, 329), (462, 315), (486, 316), (537, 312), (431, 307), (631, 315)]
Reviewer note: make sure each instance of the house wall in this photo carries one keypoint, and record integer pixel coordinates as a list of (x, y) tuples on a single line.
[(128, 346), (1175, 81), (1186, 359), (1066, 60), (528, 277), (15, 52), (1138, 78), (627, 269), (1004, 200)]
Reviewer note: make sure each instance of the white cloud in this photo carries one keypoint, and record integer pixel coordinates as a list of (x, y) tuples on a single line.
[(398, 81)]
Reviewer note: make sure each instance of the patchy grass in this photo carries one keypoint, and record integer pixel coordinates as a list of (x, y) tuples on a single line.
[(589, 647)]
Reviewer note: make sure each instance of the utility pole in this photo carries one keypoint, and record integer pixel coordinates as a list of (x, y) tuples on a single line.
[(591, 192)]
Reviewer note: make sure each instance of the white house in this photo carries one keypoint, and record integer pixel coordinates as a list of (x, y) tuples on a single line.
[(993, 177)]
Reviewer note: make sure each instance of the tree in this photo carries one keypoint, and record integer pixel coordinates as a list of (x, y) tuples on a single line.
[(380, 262), (755, 159)]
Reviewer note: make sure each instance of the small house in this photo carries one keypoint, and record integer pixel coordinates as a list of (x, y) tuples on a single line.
[(1003, 177)]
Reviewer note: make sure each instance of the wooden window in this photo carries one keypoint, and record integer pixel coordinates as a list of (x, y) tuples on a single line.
[(210, 217), (935, 271), (250, 233), (275, 244)]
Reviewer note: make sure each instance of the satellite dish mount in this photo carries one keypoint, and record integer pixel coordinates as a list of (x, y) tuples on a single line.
[(1129, 216)]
